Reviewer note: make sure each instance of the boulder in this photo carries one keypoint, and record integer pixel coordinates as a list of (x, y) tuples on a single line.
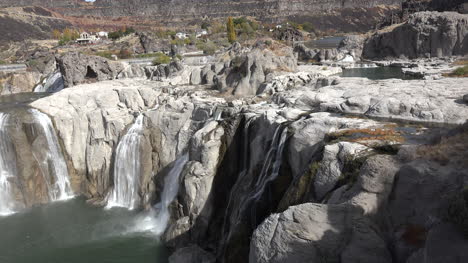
[(314, 232), (425, 34), (334, 158), (77, 68), (288, 34), (148, 43), (195, 77), (305, 53), (372, 187), (164, 71), (353, 44), (18, 82)]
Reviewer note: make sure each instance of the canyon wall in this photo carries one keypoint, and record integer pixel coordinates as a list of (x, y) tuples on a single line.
[(185, 11)]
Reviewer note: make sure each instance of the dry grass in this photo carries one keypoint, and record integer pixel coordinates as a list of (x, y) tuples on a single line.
[(450, 149), (377, 134), (461, 62)]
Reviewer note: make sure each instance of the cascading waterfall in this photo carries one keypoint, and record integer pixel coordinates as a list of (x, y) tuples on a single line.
[(7, 168), (270, 171), (127, 168), (171, 188), (53, 83), (54, 163), (159, 216), (272, 164)]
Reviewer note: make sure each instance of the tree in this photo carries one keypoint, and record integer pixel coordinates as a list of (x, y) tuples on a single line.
[(56, 34), (231, 31), (66, 35)]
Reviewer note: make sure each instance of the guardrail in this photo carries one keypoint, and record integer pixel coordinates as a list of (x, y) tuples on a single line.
[(13, 67)]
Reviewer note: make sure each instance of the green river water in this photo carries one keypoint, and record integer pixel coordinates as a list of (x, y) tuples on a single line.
[(75, 232)]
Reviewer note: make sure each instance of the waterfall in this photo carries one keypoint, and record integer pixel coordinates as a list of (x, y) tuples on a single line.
[(269, 172), (171, 188), (272, 164), (53, 163), (53, 83), (7, 168), (127, 168), (159, 216)]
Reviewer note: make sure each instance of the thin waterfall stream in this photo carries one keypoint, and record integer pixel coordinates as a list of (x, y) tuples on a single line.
[(158, 218), (7, 168)]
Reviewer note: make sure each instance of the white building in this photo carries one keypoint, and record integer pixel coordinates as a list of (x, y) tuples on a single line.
[(201, 33), (103, 34), (86, 38), (181, 35)]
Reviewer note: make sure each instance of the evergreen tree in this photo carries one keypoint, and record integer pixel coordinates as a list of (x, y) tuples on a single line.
[(231, 31)]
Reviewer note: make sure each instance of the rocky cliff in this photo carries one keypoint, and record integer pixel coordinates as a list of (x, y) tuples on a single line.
[(190, 10), (425, 34)]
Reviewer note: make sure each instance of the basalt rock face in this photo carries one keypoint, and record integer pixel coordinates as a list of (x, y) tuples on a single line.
[(78, 68), (278, 181), (245, 70), (426, 34), (189, 10)]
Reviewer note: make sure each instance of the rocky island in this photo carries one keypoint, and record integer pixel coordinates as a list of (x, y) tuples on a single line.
[(281, 144)]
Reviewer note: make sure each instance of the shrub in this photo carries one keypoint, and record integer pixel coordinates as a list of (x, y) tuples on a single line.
[(208, 48), (161, 58), (308, 27), (121, 33), (2, 62), (62, 42), (205, 25), (125, 53), (460, 72)]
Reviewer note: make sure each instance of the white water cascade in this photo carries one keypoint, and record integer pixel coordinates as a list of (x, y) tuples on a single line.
[(53, 164), (7, 168), (171, 188), (272, 164), (127, 168), (159, 216)]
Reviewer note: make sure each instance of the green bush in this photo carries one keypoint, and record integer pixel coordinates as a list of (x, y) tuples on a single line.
[(2, 62), (205, 25), (308, 27), (208, 47), (121, 33), (460, 72), (147, 55), (161, 58)]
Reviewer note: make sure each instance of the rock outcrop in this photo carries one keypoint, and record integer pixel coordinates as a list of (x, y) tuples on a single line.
[(313, 232), (78, 68), (426, 34), (391, 98), (244, 70), (11, 83), (350, 48)]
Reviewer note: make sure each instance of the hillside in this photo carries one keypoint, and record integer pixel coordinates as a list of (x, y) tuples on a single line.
[(336, 13), (21, 23)]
